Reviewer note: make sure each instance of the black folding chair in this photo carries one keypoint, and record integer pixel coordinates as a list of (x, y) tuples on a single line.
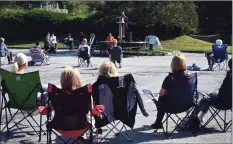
[(71, 108), (215, 110), (112, 90), (22, 92), (181, 97)]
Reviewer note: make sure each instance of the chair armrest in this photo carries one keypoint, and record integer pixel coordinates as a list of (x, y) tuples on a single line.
[(98, 110), (203, 94)]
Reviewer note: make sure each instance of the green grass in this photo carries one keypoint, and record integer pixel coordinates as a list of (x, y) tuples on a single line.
[(186, 43), (182, 43)]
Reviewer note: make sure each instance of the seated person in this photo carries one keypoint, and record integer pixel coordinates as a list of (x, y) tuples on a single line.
[(19, 67), (84, 51), (210, 55), (54, 40), (37, 50), (70, 80), (109, 43), (4, 51), (116, 53), (221, 99), (178, 68), (69, 41), (108, 70), (47, 42)]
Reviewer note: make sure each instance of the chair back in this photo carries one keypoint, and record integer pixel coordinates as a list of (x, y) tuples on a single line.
[(91, 41), (84, 52), (70, 107), (220, 52), (36, 54), (115, 94), (182, 91), (22, 89), (224, 99), (116, 53)]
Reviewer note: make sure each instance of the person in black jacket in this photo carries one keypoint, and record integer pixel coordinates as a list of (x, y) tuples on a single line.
[(110, 90), (222, 99)]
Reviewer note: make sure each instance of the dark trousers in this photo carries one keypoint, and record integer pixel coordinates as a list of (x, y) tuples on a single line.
[(209, 56), (205, 103), (9, 57), (161, 105)]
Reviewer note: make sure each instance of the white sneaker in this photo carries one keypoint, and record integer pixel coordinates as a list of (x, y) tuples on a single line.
[(202, 120)]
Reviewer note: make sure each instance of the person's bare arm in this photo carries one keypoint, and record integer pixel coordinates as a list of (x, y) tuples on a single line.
[(162, 92)]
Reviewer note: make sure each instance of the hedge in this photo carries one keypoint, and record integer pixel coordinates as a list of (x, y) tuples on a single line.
[(21, 25)]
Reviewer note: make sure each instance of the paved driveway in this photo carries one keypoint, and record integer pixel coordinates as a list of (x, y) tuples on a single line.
[(149, 73)]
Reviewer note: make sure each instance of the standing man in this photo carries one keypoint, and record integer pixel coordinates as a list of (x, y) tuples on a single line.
[(124, 19)]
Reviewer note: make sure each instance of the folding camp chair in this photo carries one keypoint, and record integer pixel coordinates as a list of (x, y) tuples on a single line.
[(182, 97), (220, 57), (22, 92), (215, 110), (38, 57), (112, 123), (71, 108)]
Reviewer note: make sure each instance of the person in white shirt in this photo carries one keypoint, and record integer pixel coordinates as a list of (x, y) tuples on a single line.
[(84, 51), (53, 39)]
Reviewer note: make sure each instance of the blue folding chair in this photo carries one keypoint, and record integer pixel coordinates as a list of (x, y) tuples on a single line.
[(220, 56)]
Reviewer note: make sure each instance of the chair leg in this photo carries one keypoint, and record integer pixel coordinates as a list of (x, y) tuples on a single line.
[(166, 131), (7, 128), (40, 128), (217, 120)]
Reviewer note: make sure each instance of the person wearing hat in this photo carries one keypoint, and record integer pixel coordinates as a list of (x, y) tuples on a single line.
[(210, 55)]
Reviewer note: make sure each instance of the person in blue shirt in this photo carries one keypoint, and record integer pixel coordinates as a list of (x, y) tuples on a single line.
[(210, 55), (4, 51)]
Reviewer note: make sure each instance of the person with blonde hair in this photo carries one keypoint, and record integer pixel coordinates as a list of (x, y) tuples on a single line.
[(84, 51), (178, 71), (108, 69), (70, 79), (20, 63), (19, 67)]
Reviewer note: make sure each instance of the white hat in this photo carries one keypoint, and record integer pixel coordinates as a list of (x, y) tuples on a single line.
[(219, 42)]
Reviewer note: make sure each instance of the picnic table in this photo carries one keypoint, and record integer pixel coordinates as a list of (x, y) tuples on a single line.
[(139, 45)]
